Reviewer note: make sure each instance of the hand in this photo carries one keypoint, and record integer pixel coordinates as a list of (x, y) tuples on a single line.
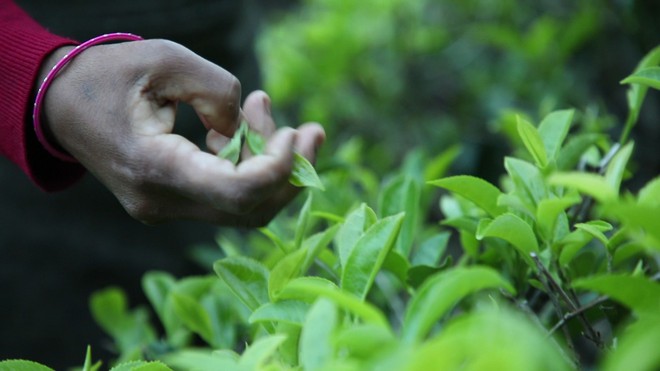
[(113, 109)]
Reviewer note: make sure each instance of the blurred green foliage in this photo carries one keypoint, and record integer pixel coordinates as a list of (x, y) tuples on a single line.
[(427, 73)]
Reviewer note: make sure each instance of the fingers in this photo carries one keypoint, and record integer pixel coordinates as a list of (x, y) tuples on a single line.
[(178, 74), (258, 114)]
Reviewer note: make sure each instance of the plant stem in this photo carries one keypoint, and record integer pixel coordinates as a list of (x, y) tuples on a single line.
[(577, 312)]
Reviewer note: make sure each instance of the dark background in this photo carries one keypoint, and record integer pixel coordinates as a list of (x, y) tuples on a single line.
[(56, 249)]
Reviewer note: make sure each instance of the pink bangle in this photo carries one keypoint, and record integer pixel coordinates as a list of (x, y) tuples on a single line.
[(38, 101)]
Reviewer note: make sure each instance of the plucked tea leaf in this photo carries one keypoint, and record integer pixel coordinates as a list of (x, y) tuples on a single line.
[(303, 173), (247, 278), (637, 293), (553, 130), (368, 255), (514, 230), (441, 292), (232, 150), (532, 141), (316, 337), (591, 184), (309, 288), (255, 142), (649, 77), (617, 166), (289, 311), (22, 365), (479, 191)]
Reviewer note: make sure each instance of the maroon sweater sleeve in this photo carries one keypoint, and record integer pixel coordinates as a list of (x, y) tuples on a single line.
[(23, 46)]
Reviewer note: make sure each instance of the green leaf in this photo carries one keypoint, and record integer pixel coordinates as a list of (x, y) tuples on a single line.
[(590, 184), (553, 130), (575, 146), (363, 341), (303, 173), (260, 351), (514, 230), (571, 244), (88, 366), (650, 193), (479, 191), (396, 264), (549, 209), (596, 229), (532, 141), (232, 150), (358, 221), (303, 221), (316, 337), (309, 288), (441, 292), (528, 180), (198, 359), (637, 293), (315, 244), (617, 166), (430, 251), (156, 287), (437, 166), (288, 311), (649, 77), (402, 194), (193, 315), (637, 347), (492, 339), (286, 269), (637, 92), (247, 279), (22, 365), (255, 142), (141, 366), (368, 255)]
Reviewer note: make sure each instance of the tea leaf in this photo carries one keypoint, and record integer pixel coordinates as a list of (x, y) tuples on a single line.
[(529, 182), (479, 191), (591, 184), (289, 311), (514, 230), (310, 288), (649, 77), (441, 292), (286, 269), (259, 351), (549, 209), (532, 141), (193, 315), (22, 365), (617, 166), (575, 146), (571, 244), (352, 229), (316, 337), (595, 230), (637, 293), (303, 221), (363, 340), (634, 215), (637, 92), (156, 287), (636, 347), (368, 255), (553, 130), (429, 251), (396, 264), (303, 173), (197, 359), (438, 165), (247, 279), (141, 366), (402, 195), (255, 142), (650, 193), (232, 150)]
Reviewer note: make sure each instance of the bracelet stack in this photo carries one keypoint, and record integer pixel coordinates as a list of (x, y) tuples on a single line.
[(38, 101)]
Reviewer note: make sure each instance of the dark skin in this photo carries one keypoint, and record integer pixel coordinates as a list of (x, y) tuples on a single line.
[(113, 109)]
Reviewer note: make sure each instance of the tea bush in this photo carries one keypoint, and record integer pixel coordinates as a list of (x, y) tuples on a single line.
[(555, 267)]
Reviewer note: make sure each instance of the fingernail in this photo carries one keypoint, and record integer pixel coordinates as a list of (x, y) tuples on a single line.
[(267, 105)]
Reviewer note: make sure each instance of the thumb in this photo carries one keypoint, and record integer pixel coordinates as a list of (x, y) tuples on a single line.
[(179, 75)]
